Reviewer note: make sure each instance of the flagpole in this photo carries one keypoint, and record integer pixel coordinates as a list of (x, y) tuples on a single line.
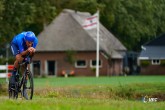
[(97, 47)]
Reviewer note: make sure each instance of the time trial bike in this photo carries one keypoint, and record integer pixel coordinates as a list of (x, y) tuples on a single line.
[(23, 82)]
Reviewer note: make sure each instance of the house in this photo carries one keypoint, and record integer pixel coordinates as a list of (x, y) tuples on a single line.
[(66, 48), (152, 57)]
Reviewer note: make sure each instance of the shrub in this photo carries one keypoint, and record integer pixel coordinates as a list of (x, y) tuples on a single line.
[(2, 61), (145, 62), (3, 88), (162, 63)]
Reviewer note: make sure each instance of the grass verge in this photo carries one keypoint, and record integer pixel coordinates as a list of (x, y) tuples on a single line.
[(119, 93)]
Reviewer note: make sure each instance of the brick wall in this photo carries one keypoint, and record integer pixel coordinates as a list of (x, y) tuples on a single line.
[(107, 67), (153, 70)]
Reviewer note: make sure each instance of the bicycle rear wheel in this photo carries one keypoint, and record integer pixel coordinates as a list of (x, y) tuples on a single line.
[(28, 86), (10, 91), (13, 90)]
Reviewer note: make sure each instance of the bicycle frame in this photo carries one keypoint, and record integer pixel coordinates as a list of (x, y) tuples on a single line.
[(23, 75), (21, 84)]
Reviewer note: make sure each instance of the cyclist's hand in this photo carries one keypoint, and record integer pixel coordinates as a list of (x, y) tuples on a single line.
[(31, 49)]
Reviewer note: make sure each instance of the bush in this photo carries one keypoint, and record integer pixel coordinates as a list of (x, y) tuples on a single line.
[(10, 60), (2, 61), (145, 62), (3, 89), (93, 69), (162, 63)]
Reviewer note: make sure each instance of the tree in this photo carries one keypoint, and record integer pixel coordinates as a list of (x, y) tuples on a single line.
[(1, 10), (44, 13), (19, 15), (134, 22)]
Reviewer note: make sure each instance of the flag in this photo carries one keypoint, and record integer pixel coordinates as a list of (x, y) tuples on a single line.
[(91, 22)]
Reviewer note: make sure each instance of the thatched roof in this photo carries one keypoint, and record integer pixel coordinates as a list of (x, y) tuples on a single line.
[(66, 33)]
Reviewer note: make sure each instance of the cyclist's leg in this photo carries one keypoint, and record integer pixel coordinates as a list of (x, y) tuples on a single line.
[(18, 58), (14, 50)]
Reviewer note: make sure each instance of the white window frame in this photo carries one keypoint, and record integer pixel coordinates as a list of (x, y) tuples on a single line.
[(155, 62), (92, 66), (79, 66)]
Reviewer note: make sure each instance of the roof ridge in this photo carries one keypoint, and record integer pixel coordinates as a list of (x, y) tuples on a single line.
[(75, 11), (155, 40)]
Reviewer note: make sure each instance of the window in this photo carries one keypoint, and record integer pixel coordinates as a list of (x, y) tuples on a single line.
[(93, 63), (80, 64), (156, 62)]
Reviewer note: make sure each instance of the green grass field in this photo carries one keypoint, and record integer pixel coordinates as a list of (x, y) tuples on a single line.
[(90, 93)]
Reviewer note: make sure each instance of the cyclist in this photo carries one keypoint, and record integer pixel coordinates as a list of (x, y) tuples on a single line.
[(22, 45)]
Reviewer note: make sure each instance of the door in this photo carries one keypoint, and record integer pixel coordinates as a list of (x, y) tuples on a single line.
[(36, 68), (51, 66)]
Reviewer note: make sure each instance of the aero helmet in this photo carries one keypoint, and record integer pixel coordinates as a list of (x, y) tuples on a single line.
[(29, 36)]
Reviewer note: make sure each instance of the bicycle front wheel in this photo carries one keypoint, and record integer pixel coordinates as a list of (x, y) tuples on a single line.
[(28, 86)]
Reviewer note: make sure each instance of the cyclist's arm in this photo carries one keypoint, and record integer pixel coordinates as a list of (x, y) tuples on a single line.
[(34, 45), (24, 53)]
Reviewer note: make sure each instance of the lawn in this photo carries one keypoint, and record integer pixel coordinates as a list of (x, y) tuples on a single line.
[(91, 93), (113, 81), (77, 104)]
